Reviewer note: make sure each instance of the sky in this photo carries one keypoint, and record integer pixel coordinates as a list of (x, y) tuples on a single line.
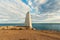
[(42, 11)]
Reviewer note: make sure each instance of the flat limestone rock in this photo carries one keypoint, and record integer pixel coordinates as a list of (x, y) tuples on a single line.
[(29, 35)]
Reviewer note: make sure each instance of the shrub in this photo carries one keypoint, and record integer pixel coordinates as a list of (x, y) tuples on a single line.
[(13, 28), (20, 29)]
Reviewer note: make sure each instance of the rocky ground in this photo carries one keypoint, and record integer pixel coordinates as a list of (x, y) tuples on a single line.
[(29, 35)]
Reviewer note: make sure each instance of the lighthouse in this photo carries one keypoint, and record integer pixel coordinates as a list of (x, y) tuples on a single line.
[(28, 21)]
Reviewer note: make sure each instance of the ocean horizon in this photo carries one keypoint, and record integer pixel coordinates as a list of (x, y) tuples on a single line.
[(38, 26)]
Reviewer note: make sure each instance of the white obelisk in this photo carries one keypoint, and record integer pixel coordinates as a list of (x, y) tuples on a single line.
[(28, 21)]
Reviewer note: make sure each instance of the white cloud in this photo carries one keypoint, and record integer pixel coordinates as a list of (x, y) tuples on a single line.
[(12, 11), (15, 11), (30, 3), (42, 1), (46, 18), (50, 11)]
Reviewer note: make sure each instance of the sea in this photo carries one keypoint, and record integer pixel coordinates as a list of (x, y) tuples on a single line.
[(38, 26)]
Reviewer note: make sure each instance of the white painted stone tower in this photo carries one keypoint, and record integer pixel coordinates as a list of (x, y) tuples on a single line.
[(28, 21)]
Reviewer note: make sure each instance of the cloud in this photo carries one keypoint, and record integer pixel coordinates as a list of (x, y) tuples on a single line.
[(45, 11), (12, 11), (42, 11), (46, 18), (30, 3)]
